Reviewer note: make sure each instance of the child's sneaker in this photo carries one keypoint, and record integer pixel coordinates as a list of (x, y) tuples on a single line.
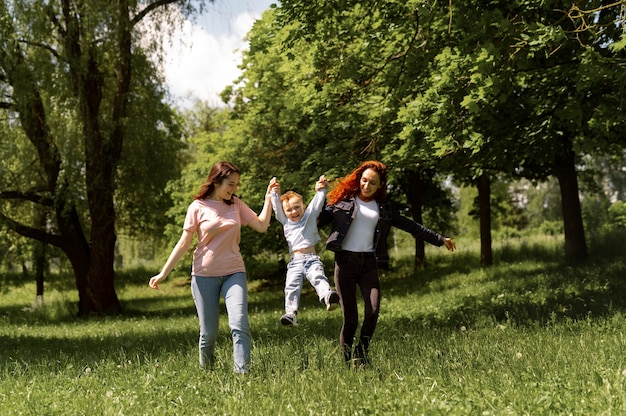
[(289, 319), (331, 300)]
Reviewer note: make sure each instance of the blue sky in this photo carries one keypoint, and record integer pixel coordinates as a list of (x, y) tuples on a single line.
[(221, 14), (205, 53)]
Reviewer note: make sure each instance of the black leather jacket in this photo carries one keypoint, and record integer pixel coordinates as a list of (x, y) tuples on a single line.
[(341, 215)]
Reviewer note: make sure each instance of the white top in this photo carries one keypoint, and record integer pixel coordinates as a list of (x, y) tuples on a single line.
[(360, 236), (301, 234)]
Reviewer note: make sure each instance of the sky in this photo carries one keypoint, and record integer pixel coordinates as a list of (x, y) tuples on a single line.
[(203, 57)]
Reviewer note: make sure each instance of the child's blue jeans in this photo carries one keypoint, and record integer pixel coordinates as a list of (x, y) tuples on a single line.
[(304, 265)]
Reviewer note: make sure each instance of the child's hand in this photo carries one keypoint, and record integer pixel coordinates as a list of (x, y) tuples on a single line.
[(274, 186), (322, 183)]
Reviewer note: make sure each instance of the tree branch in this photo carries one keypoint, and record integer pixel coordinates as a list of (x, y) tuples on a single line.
[(27, 196), (31, 232), (49, 48), (149, 8)]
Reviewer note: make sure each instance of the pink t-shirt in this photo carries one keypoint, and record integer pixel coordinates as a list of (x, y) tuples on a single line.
[(219, 232)]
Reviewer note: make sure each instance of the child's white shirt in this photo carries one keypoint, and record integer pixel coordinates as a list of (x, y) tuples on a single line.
[(303, 233)]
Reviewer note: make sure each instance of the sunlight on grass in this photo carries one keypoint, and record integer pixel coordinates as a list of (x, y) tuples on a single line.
[(528, 335)]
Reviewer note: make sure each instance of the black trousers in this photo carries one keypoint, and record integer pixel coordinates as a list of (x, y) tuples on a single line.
[(354, 270)]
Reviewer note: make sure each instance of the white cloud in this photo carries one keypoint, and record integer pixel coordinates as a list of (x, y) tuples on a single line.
[(199, 64)]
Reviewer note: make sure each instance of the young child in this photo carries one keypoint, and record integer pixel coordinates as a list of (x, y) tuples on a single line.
[(300, 228)]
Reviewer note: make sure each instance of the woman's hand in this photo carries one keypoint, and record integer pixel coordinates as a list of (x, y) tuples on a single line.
[(322, 183), (155, 280), (274, 186), (449, 244)]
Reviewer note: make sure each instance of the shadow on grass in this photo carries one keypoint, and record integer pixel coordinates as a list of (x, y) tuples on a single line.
[(57, 353), (525, 286), (120, 342), (518, 290)]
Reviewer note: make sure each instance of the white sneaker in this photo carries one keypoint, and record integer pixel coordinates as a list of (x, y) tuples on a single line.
[(331, 300), (289, 319)]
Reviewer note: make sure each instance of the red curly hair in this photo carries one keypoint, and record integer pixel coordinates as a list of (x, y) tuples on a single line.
[(348, 186)]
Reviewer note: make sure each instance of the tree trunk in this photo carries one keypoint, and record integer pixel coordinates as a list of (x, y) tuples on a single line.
[(102, 153), (101, 276), (565, 172), (40, 260), (76, 248), (484, 201), (414, 196)]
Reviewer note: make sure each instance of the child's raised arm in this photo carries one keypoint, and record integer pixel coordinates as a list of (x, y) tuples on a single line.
[(322, 183), (277, 205)]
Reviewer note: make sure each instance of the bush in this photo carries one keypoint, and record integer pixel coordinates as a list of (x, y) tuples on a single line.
[(551, 227), (617, 214)]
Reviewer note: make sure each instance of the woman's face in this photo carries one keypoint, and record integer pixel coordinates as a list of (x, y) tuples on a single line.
[(225, 190), (370, 183)]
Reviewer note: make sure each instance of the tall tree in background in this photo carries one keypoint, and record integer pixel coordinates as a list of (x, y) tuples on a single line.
[(471, 88), (69, 85), (523, 92), (321, 87)]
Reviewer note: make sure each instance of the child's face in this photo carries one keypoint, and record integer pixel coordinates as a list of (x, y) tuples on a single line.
[(294, 208)]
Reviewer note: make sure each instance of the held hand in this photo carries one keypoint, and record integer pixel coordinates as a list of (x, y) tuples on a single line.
[(321, 183), (274, 185), (449, 244)]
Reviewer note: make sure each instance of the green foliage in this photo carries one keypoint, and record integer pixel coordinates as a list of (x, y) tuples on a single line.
[(463, 88), (152, 156), (619, 45), (617, 214), (551, 228)]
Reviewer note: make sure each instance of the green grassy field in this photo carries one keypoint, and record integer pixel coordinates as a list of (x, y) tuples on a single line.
[(527, 336)]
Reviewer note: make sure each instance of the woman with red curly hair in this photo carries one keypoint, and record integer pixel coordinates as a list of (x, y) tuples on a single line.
[(361, 219)]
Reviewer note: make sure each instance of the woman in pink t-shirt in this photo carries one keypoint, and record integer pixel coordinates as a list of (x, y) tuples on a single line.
[(216, 216)]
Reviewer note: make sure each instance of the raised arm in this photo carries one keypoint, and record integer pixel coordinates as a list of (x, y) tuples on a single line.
[(277, 206), (262, 221), (317, 203)]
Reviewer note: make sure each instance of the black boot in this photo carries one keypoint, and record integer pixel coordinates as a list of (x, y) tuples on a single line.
[(347, 354), (361, 359)]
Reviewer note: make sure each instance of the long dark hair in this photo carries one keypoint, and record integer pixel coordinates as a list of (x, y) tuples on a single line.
[(218, 173), (348, 187)]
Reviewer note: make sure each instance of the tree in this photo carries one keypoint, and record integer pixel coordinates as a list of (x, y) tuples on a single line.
[(471, 88), (320, 89), (519, 93), (69, 76)]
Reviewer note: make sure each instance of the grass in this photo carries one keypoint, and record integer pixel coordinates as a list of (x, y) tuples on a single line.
[(526, 336)]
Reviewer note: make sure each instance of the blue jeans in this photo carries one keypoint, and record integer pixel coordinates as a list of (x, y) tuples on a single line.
[(206, 295), (304, 265)]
